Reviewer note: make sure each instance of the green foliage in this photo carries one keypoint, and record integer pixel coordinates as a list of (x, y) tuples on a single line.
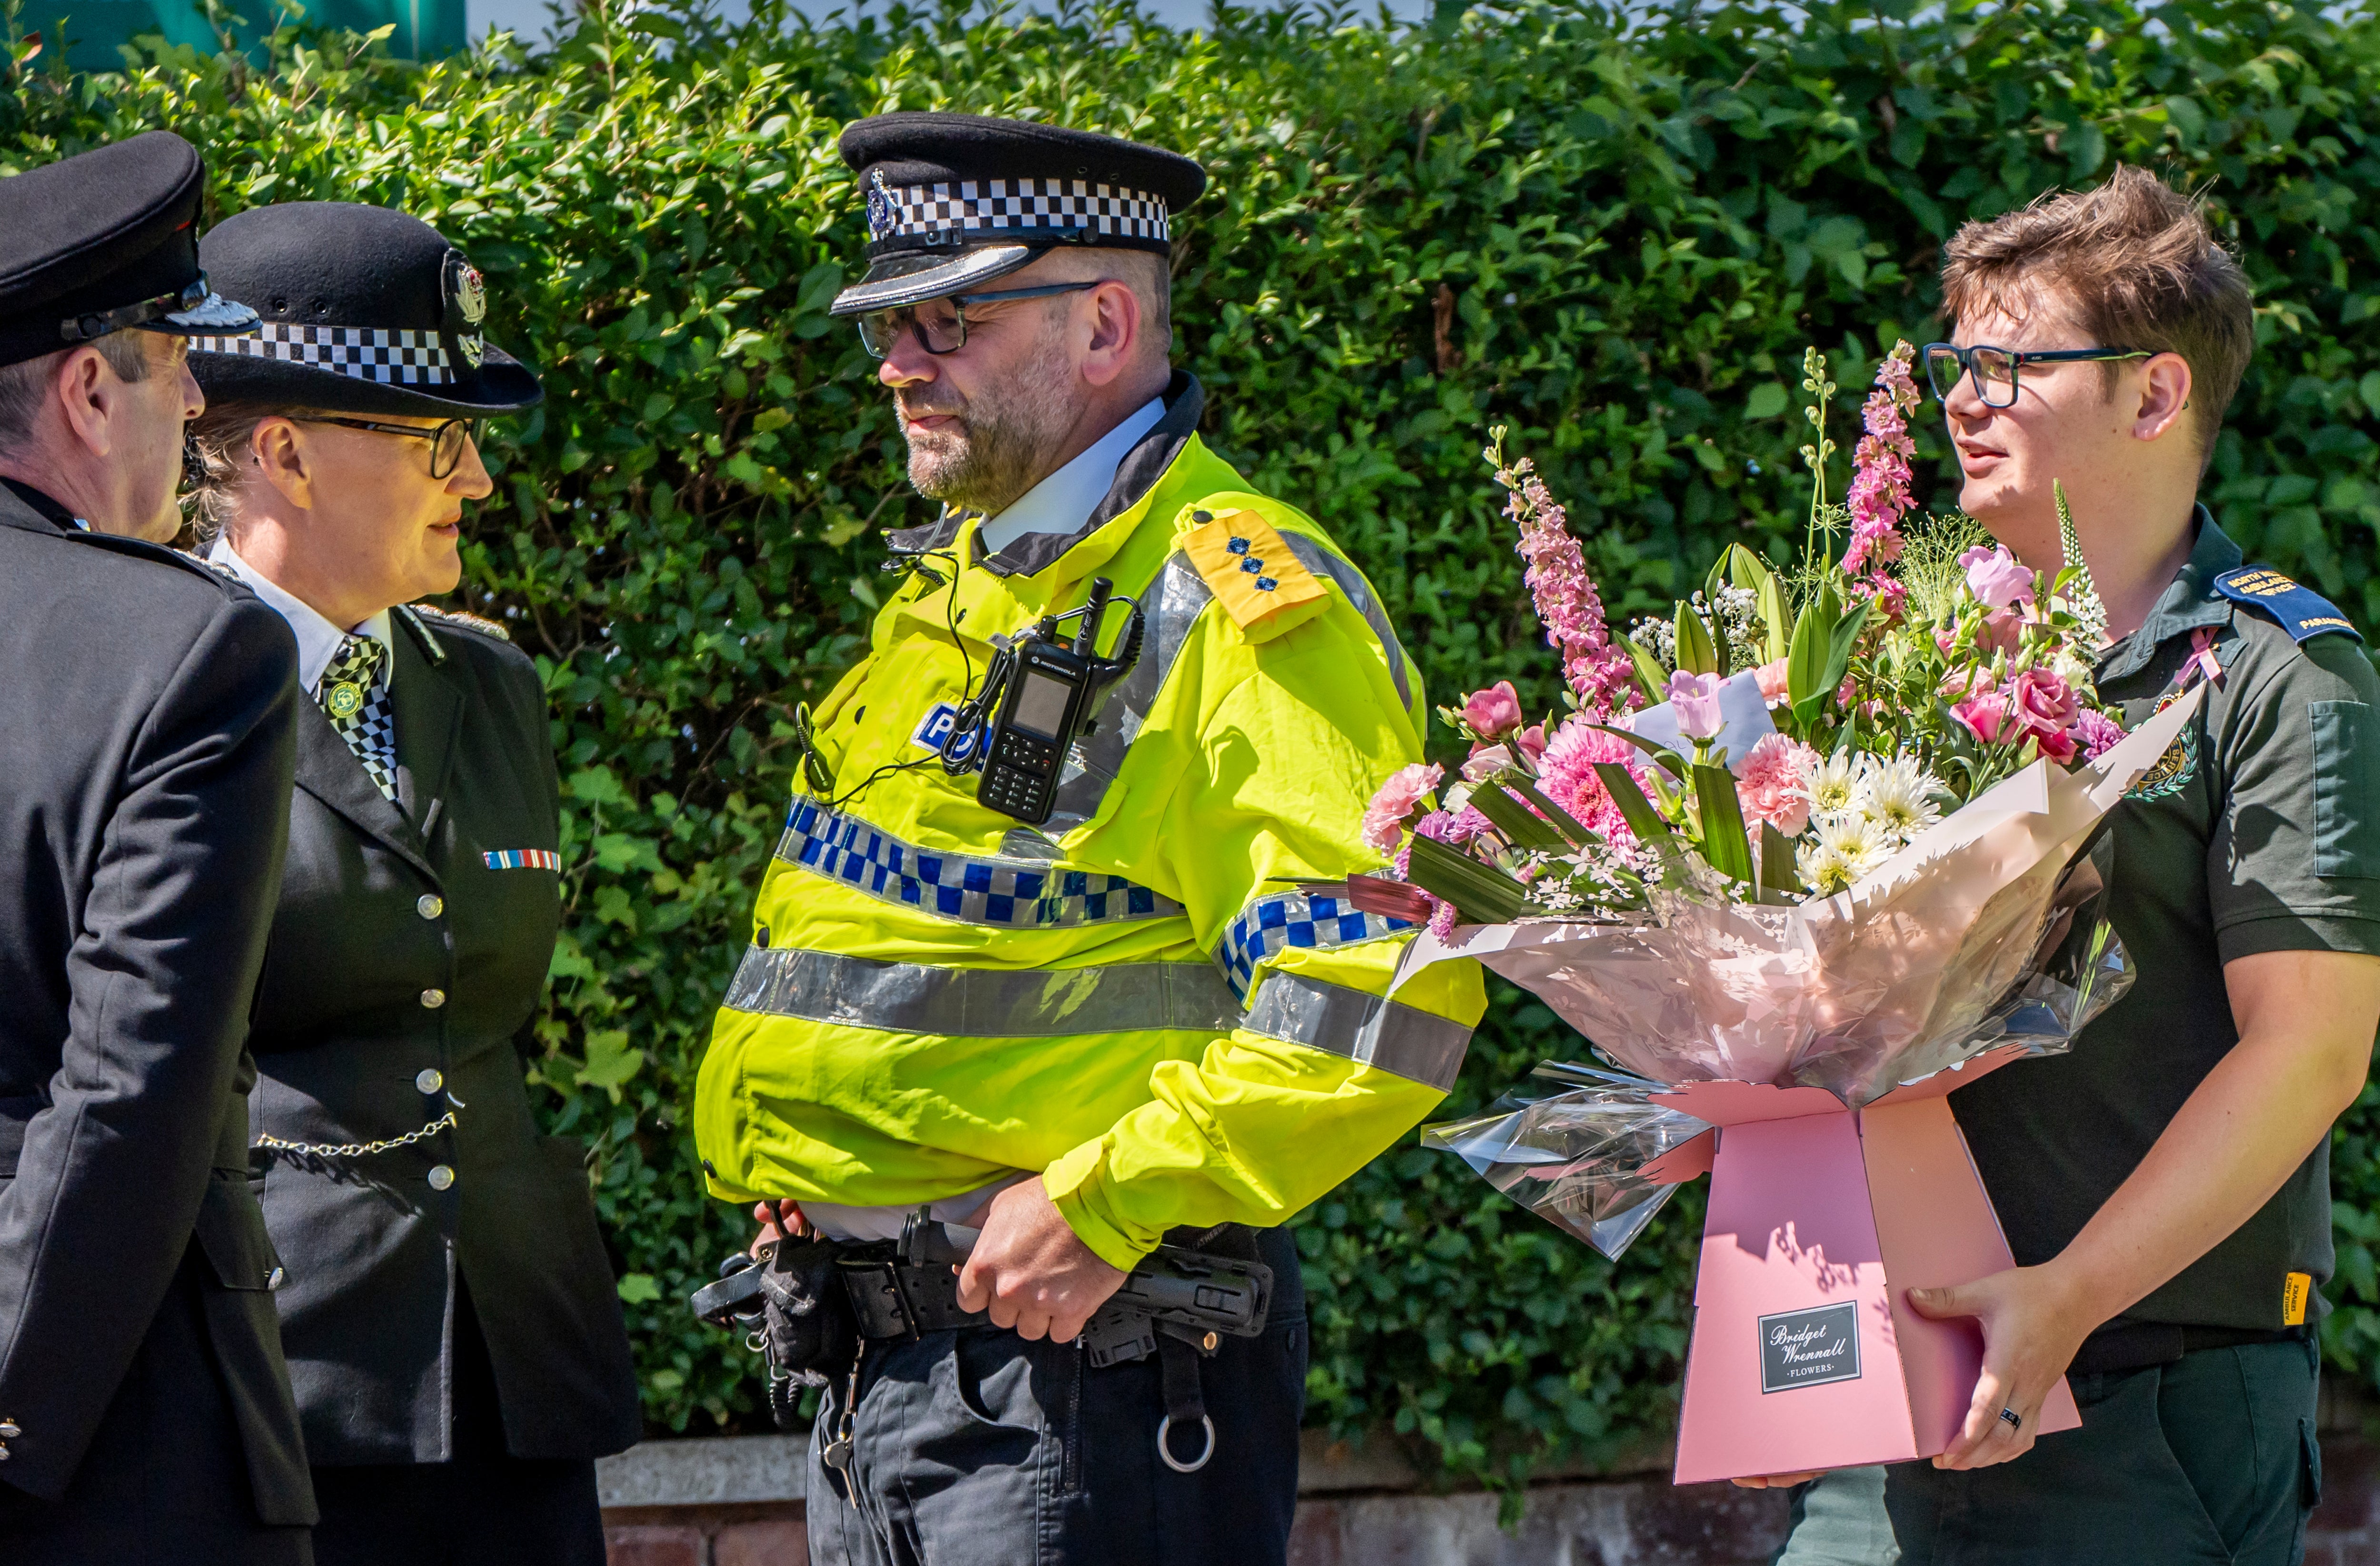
[(1614, 234)]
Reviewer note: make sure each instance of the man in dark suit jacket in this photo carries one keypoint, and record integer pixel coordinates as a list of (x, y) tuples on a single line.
[(145, 759)]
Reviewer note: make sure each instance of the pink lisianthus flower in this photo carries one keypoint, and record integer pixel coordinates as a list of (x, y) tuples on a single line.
[(1983, 716), (2041, 708), (1775, 771), (1973, 681), (1384, 818), (1997, 578), (1493, 713), (1774, 684), (2096, 732), (1532, 741), (1694, 699), (1486, 762)]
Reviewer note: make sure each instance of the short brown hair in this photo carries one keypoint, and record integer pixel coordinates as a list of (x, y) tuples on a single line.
[(25, 386), (2138, 266)]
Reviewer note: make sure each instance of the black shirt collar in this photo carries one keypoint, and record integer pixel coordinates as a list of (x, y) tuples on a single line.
[(2188, 602)]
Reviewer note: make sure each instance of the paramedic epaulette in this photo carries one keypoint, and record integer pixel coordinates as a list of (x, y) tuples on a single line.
[(2303, 612), (1261, 585), (461, 621)]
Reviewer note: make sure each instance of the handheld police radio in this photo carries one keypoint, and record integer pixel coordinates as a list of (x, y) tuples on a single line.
[(1040, 694)]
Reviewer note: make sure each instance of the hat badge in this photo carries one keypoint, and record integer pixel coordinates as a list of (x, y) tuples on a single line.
[(879, 206), (467, 306)]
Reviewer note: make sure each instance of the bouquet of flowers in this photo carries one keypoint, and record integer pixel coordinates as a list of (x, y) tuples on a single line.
[(1804, 853)]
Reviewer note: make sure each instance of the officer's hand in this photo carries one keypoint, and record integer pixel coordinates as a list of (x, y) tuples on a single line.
[(2032, 1321), (778, 1219), (1031, 1271)]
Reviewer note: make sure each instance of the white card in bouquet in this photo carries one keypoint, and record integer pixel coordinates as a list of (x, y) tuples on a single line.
[(1743, 719)]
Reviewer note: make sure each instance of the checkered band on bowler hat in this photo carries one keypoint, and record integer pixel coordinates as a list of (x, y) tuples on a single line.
[(955, 201), (365, 311)]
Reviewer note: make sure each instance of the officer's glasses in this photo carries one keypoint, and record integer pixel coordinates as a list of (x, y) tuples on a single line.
[(446, 440), (1994, 370), (940, 325)]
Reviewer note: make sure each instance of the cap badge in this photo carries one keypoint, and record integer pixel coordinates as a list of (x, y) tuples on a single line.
[(879, 206), (466, 307)]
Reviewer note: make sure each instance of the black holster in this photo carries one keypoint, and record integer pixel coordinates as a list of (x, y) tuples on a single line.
[(806, 1326)]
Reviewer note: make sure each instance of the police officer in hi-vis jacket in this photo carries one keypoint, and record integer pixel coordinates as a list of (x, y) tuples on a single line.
[(1111, 994)]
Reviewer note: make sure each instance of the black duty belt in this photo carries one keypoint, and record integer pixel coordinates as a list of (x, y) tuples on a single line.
[(892, 1299), (2137, 1345)]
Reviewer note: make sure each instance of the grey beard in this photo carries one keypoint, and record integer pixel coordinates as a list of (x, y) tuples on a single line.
[(1005, 439)]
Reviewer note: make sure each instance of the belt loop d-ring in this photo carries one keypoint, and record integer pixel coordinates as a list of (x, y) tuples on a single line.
[(1165, 1428)]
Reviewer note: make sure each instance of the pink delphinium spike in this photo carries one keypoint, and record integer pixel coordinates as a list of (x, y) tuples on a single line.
[(1602, 676), (1879, 495)]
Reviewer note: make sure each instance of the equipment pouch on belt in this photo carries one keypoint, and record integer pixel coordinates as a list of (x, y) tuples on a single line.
[(792, 1300)]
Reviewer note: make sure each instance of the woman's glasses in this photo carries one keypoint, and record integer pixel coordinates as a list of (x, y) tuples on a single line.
[(1994, 370), (940, 325), (446, 440)]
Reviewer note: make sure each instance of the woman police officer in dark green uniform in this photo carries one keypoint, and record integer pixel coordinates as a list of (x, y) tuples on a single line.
[(451, 1322)]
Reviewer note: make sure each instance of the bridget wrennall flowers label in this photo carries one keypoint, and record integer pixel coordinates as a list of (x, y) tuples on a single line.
[(1809, 1348)]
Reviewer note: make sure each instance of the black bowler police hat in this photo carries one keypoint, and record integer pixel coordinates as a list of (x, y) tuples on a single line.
[(102, 241), (955, 201), (366, 311)]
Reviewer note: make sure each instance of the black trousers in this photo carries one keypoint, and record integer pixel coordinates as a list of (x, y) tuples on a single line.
[(484, 1507), (166, 1476), (2209, 1461), (975, 1448)]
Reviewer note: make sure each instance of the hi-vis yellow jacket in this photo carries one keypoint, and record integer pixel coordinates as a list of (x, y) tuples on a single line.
[(1159, 1000)]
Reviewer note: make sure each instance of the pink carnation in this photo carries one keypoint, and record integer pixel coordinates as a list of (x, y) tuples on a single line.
[(2096, 732), (1384, 818), (1769, 788)]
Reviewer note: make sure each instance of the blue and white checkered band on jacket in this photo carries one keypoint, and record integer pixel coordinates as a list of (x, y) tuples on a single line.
[(1311, 920), (360, 353), (987, 208), (1016, 894)]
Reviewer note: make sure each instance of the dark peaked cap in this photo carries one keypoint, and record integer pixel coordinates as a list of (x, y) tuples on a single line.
[(106, 240), (366, 311), (955, 201)]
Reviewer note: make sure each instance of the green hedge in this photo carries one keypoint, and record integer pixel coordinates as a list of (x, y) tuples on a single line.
[(1615, 234)]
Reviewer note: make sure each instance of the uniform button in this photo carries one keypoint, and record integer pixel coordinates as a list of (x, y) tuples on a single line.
[(430, 905), (433, 999), (273, 1279), (8, 1430), (430, 1080), (440, 1176)]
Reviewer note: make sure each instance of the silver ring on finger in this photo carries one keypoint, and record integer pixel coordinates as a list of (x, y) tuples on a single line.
[(2015, 1420)]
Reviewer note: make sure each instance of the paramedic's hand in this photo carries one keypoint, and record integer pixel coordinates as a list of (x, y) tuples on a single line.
[(1030, 1270), (2032, 1323)]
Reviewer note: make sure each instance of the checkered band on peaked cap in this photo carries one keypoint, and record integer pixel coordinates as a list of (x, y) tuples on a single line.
[(104, 241), (955, 201), (365, 311)]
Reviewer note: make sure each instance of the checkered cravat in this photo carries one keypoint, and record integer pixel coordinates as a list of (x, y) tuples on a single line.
[(354, 692)]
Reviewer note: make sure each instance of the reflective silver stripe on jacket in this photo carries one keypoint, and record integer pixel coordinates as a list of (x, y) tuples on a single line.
[(1014, 894), (1314, 919), (908, 998), (1387, 1033), (1171, 602)]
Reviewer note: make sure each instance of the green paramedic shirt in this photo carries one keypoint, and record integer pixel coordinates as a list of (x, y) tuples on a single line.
[(2260, 832)]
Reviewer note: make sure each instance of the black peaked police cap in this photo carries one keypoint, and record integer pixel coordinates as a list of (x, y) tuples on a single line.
[(366, 311), (104, 241), (955, 201)]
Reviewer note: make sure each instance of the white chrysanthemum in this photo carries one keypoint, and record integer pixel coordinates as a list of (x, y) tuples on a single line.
[(1857, 841), (1897, 797), (1834, 783), (1823, 868)]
